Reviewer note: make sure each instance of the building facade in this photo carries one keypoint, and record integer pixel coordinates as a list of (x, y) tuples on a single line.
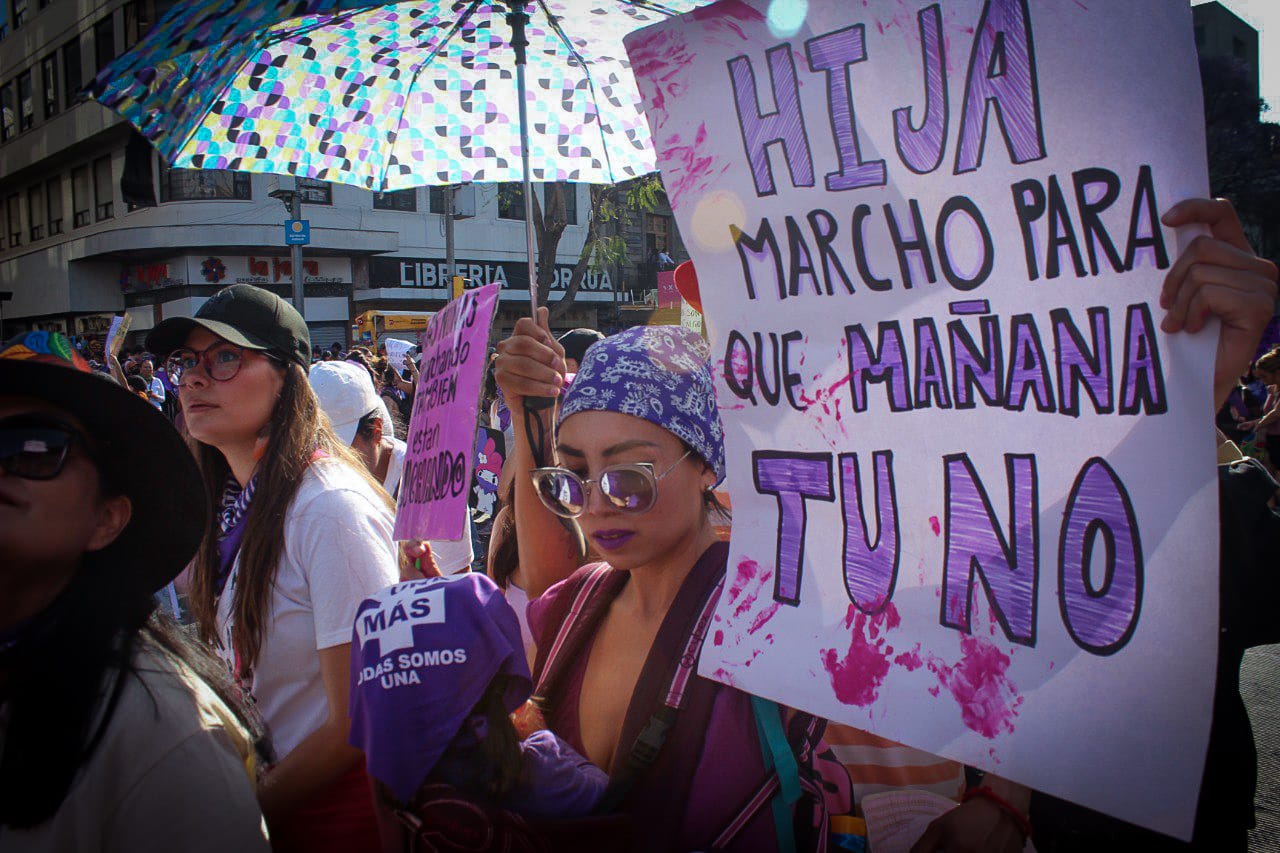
[(92, 223), (1222, 33)]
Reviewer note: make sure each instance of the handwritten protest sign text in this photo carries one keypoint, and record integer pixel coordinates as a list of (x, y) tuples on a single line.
[(441, 438)]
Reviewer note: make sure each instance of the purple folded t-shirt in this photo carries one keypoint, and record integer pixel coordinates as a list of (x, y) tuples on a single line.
[(423, 653)]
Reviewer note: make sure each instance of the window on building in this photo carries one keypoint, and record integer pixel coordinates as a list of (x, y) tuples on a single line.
[(13, 214), (511, 201), (80, 196), (18, 12), (140, 17), (26, 102), (657, 235), (315, 192), (8, 113), (1238, 48), (104, 41), (135, 24), (570, 191), (204, 185), (49, 84), (438, 200), (103, 192), (35, 212), (71, 71), (405, 200), (53, 202)]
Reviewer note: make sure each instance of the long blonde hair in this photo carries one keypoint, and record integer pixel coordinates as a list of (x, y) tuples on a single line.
[(299, 433)]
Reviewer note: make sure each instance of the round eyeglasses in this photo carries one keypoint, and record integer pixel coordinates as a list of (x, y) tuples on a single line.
[(631, 488), (221, 362)]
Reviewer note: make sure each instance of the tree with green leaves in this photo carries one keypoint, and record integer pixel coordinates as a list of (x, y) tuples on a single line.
[(1243, 150), (612, 206)]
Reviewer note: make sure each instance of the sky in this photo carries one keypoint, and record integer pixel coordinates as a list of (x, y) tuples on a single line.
[(1263, 15)]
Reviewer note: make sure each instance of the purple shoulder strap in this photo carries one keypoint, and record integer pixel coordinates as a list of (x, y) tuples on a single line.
[(587, 596)]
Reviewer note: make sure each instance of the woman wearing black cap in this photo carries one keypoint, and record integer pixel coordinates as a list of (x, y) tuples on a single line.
[(115, 733), (302, 537)]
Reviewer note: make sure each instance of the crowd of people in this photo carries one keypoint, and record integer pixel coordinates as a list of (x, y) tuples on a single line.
[(333, 689)]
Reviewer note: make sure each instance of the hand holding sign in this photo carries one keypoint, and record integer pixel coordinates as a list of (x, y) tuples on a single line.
[(396, 351), (417, 561), (1219, 276), (119, 327)]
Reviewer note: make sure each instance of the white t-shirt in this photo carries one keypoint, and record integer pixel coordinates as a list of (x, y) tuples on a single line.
[(169, 774), (451, 557), (337, 552), (519, 601), (155, 395)]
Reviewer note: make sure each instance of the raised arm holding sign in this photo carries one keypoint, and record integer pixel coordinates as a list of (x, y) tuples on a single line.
[(931, 258)]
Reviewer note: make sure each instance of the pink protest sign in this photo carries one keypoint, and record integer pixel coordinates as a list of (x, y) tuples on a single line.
[(442, 430), (668, 293)]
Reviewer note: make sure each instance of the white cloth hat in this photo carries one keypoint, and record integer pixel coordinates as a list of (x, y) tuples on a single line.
[(346, 395)]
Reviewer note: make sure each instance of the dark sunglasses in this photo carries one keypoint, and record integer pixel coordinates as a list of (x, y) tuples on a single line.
[(35, 448), (630, 488), (221, 362)]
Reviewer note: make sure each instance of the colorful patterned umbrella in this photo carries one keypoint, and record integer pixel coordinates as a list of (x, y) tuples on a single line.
[(390, 96)]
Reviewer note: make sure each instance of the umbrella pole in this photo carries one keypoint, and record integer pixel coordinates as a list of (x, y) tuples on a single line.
[(517, 18)]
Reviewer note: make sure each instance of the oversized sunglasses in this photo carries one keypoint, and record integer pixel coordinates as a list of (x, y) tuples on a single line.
[(631, 488), (221, 362), (35, 449)]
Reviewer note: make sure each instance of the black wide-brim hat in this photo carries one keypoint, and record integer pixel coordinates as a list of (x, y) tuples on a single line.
[(136, 449)]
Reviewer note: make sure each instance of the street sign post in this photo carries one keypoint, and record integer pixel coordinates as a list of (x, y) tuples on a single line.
[(297, 232)]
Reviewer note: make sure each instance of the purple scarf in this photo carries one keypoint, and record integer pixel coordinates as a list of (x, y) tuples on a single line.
[(231, 526)]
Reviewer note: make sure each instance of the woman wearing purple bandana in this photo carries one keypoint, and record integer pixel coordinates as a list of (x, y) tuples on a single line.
[(640, 448)]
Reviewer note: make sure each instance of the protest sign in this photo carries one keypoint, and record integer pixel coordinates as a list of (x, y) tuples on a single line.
[(491, 453), (668, 293), (435, 487), (690, 317), (396, 351), (119, 327), (974, 495)]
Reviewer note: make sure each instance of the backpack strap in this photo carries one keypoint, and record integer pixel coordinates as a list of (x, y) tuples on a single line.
[(649, 743), (784, 783), (593, 591)]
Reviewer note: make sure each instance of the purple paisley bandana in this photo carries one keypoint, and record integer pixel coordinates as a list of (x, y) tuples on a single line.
[(659, 373), (231, 525)]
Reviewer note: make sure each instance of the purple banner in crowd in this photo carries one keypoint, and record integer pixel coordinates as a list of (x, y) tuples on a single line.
[(442, 429)]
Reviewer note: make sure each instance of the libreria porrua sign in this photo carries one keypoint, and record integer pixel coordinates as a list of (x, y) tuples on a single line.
[(973, 487), (436, 483)]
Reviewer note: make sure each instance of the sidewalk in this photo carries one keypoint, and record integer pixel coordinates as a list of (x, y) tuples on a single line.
[(1260, 687)]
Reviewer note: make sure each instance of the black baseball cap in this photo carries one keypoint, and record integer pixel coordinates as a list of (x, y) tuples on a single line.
[(576, 342), (245, 315)]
